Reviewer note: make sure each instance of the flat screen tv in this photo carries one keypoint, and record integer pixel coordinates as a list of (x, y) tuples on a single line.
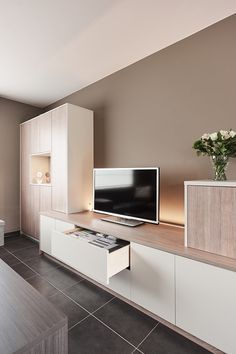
[(129, 194)]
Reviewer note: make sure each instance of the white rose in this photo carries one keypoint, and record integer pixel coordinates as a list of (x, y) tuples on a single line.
[(213, 136), (224, 134), (205, 136), (232, 133)]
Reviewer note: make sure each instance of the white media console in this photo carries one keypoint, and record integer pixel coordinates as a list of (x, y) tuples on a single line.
[(191, 289)]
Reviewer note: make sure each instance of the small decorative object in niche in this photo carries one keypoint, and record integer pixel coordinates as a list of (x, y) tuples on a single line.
[(48, 177), (39, 177), (220, 146)]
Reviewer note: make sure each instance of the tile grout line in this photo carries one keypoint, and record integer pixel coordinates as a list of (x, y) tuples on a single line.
[(85, 318), (90, 313), (6, 255), (33, 270), (147, 336), (111, 329), (114, 297), (137, 350), (61, 291), (20, 249)]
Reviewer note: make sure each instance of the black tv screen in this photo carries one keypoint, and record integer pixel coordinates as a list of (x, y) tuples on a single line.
[(127, 192)]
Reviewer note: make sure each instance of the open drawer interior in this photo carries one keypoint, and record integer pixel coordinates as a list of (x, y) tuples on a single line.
[(95, 255)]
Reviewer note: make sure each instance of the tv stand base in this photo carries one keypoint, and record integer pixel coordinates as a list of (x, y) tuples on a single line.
[(123, 221)]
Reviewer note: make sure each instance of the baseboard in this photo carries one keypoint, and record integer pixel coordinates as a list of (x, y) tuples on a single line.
[(11, 233), (30, 237)]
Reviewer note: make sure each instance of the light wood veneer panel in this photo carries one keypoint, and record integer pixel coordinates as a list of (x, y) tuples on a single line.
[(34, 210), (45, 198), (25, 133), (29, 322), (34, 136), (45, 131), (211, 221), (228, 222)]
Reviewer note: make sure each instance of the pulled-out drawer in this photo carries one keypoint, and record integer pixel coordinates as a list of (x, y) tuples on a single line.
[(95, 262)]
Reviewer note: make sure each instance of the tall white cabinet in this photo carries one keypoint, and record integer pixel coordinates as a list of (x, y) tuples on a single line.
[(59, 142), (72, 158)]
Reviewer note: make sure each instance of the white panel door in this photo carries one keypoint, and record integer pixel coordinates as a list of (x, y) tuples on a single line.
[(35, 136), (206, 303), (63, 226), (45, 198), (59, 160), (34, 210), (45, 131), (153, 280), (46, 227)]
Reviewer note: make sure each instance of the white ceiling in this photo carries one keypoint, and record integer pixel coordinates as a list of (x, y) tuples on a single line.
[(51, 48)]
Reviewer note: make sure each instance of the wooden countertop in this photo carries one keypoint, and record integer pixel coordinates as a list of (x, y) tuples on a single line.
[(163, 237), (26, 317)]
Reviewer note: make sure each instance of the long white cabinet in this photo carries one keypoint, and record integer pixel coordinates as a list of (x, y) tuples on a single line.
[(197, 297)]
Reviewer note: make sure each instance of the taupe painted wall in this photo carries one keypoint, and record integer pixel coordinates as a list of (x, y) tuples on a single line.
[(149, 113), (11, 115)]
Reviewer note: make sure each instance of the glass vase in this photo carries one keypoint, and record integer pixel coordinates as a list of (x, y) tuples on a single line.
[(219, 163)]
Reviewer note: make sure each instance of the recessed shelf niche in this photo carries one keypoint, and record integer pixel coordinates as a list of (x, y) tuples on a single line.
[(40, 163)]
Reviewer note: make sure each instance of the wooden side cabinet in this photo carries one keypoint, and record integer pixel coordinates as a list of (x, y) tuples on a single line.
[(210, 212)]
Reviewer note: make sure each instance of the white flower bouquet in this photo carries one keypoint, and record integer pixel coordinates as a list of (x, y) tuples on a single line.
[(218, 143), (219, 146)]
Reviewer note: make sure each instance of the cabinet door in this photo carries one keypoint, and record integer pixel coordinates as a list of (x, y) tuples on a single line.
[(59, 159), (63, 226), (25, 135), (45, 198), (34, 212), (153, 280), (205, 303), (46, 228), (45, 130), (25, 211), (35, 136)]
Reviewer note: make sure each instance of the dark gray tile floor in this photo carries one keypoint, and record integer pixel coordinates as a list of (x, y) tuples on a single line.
[(99, 323)]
